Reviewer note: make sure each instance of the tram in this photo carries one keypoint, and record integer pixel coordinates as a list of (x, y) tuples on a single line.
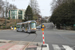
[(28, 26)]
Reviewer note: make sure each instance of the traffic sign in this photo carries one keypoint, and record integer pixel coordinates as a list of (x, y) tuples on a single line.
[(42, 29), (43, 26)]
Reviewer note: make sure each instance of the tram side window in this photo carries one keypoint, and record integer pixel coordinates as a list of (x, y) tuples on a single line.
[(22, 25), (27, 26), (18, 26)]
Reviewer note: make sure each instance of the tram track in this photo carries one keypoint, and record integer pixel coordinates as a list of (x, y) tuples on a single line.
[(28, 36), (34, 37), (31, 34), (22, 39), (31, 41)]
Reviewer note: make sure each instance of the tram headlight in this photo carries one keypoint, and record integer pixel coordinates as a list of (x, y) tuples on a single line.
[(34, 28)]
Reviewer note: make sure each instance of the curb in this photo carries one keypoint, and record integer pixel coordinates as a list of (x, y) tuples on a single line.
[(4, 29), (5, 41)]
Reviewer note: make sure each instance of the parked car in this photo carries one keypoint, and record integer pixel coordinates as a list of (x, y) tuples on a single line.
[(38, 27)]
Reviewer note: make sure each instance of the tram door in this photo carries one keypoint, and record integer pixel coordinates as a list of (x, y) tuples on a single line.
[(22, 27)]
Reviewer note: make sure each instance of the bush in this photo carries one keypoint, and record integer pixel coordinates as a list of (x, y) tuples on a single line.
[(0, 27), (8, 27), (8, 18), (69, 28), (4, 27), (8, 21)]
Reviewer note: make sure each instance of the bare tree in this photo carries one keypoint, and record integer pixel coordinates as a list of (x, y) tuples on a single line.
[(14, 7), (35, 9), (2, 8), (34, 6)]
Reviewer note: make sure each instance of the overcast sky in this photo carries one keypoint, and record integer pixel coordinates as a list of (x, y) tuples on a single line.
[(44, 5)]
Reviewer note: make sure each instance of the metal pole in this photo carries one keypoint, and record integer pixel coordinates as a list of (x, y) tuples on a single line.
[(16, 19)]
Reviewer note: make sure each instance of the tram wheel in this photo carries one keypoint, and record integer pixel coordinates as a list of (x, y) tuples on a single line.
[(17, 30)]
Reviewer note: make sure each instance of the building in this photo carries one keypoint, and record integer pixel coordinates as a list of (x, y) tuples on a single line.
[(17, 14), (46, 18)]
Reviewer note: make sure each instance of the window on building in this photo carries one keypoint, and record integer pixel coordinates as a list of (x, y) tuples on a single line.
[(20, 16), (20, 12)]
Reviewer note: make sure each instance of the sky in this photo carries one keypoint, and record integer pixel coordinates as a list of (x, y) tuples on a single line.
[(44, 5)]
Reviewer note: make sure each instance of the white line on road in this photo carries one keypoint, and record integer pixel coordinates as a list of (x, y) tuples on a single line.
[(56, 47), (67, 47)]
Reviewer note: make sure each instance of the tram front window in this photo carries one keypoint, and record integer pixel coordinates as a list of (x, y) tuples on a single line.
[(33, 25)]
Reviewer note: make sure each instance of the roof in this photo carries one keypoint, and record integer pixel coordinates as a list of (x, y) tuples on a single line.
[(19, 23), (27, 22)]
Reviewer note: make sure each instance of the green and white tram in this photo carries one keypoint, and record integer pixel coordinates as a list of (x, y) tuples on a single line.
[(28, 26)]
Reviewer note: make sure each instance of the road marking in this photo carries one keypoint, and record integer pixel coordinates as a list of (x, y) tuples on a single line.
[(56, 47), (67, 47), (32, 46)]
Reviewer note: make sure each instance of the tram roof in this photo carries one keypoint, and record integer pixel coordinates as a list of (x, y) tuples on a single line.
[(19, 23), (27, 22)]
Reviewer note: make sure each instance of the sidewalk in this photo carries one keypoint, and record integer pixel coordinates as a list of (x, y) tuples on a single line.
[(5, 29), (20, 45)]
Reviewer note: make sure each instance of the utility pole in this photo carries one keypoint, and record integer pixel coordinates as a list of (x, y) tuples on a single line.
[(14, 10), (6, 15)]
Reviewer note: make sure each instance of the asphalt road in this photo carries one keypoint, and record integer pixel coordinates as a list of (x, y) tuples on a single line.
[(57, 39)]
